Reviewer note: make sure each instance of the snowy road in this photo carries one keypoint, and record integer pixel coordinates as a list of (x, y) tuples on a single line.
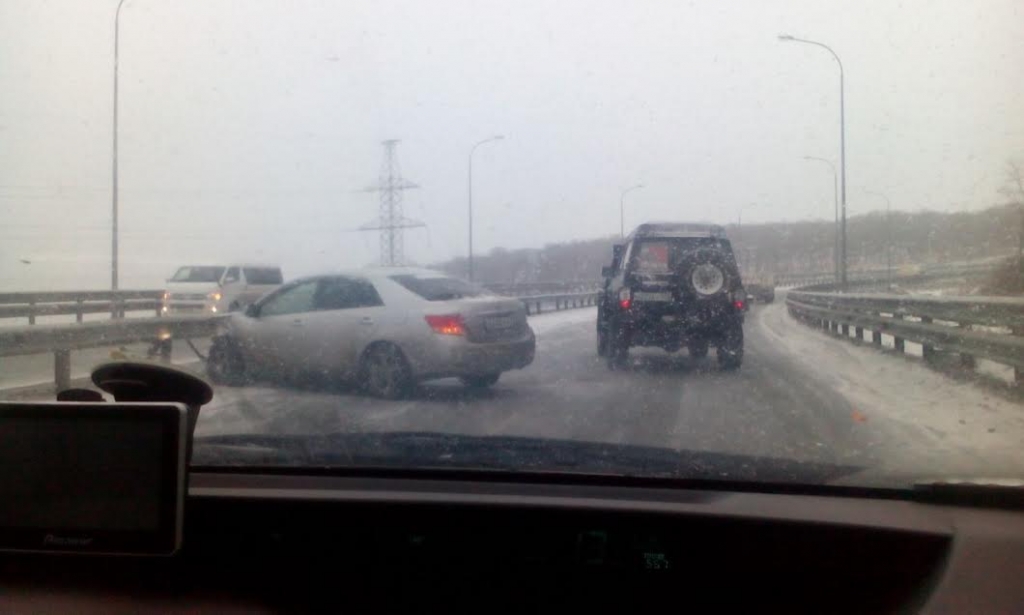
[(799, 396)]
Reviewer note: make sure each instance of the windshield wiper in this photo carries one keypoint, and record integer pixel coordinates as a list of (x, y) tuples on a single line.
[(996, 492), (429, 450)]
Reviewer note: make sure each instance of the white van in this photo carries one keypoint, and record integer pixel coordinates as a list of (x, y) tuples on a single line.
[(214, 289)]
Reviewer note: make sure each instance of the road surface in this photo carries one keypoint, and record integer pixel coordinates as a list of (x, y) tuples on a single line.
[(799, 396)]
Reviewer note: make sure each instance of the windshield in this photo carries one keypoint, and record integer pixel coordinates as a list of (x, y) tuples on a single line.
[(257, 275), (737, 240), (198, 274)]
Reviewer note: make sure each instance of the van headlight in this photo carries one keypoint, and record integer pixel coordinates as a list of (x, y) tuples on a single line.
[(214, 296)]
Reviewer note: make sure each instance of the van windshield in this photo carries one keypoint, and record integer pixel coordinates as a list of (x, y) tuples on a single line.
[(198, 274), (262, 275)]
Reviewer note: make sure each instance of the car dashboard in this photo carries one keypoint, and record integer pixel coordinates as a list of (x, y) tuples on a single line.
[(286, 541)]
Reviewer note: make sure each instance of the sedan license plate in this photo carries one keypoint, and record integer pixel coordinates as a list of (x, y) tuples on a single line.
[(499, 323), (648, 296)]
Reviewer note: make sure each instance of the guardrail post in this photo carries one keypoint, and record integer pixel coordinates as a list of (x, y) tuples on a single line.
[(845, 328), (538, 308), (860, 333), (165, 350), (78, 311), (967, 361), (927, 351), (31, 313), (62, 369), (876, 338)]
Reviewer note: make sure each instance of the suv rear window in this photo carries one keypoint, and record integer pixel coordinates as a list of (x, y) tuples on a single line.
[(198, 274), (664, 254), (439, 288), (262, 275)]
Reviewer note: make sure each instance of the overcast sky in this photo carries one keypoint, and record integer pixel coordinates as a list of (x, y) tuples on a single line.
[(248, 128)]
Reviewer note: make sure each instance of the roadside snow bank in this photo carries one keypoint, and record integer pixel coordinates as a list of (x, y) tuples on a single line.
[(947, 426)]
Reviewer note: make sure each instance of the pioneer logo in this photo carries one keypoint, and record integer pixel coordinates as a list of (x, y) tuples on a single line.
[(53, 540)]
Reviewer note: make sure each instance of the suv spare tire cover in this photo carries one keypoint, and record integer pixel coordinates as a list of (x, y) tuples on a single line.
[(706, 272)]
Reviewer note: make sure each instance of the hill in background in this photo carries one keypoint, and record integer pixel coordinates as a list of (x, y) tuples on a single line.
[(764, 250)]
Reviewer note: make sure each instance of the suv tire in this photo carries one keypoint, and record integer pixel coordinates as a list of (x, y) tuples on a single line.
[(602, 341), (618, 350), (706, 257), (730, 348), (698, 349)]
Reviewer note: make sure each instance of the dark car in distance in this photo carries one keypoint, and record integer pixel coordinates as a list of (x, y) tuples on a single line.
[(761, 293), (672, 285)]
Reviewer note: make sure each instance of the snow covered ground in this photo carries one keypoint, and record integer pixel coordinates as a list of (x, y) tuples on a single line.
[(949, 426)]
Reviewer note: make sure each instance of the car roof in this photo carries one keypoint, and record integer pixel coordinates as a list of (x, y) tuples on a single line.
[(377, 273), (235, 264), (678, 229)]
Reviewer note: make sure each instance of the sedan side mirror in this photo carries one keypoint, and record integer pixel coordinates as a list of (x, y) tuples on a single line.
[(607, 272), (252, 310)]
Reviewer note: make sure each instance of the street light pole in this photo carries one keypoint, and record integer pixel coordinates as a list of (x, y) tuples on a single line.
[(471, 152), (835, 200), (622, 208), (888, 237), (113, 220), (842, 144)]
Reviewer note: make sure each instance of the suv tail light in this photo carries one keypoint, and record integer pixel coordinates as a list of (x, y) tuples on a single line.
[(448, 324), (625, 298)]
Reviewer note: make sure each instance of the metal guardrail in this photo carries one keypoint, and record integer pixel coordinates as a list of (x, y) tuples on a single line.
[(973, 327), (535, 304), (526, 289), (78, 303), (64, 338)]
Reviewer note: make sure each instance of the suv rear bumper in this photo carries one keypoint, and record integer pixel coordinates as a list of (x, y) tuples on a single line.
[(674, 324)]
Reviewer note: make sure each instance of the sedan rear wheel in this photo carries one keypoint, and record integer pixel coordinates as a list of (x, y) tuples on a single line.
[(386, 373)]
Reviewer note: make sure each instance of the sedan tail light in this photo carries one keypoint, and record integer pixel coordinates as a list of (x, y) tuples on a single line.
[(448, 324)]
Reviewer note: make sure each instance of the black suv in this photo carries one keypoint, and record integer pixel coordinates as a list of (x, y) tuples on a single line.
[(672, 285)]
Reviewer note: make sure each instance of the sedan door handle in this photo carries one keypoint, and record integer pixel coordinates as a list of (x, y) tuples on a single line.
[(297, 323), (366, 320)]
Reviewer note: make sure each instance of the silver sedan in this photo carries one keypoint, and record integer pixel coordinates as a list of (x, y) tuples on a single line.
[(385, 329)]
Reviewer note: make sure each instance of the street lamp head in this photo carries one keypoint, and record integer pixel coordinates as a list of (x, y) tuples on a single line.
[(786, 37)]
